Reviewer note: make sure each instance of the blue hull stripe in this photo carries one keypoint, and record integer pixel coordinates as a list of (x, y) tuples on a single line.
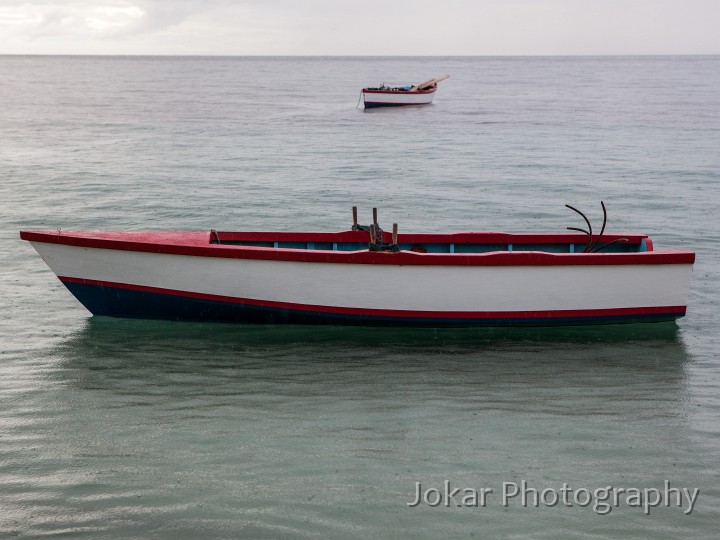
[(118, 302), (378, 105)]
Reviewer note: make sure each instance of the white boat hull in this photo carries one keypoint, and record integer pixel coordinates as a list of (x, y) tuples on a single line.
[(373, 99), (128, 283)]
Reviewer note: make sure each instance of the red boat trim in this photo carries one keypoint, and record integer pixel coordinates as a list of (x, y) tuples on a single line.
[(393, 104), (392, 92), (197, 245), (547, 314), (490, 237)]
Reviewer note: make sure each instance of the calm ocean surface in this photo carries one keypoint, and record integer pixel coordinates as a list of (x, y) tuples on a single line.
[(135, 429)]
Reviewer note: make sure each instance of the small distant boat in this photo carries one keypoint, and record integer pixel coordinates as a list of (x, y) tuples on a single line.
[(399, 96), (428, 279)]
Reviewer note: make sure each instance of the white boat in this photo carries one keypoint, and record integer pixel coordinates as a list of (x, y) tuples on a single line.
[(398, 96), (459, 279)]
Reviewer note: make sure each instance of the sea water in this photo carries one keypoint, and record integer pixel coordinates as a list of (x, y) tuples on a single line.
[(119, 428)]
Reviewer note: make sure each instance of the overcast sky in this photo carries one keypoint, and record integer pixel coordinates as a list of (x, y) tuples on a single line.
[(360, 27)]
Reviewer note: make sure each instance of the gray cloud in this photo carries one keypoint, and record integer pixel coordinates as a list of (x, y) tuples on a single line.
[(371, 27)]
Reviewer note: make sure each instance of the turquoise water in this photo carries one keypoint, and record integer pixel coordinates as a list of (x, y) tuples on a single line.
[(117, 429)]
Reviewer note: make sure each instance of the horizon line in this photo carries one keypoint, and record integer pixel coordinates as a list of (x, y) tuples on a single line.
[(579, 55)]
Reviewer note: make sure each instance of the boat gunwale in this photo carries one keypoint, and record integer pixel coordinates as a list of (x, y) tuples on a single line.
[(393, 92), (197, 244)]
